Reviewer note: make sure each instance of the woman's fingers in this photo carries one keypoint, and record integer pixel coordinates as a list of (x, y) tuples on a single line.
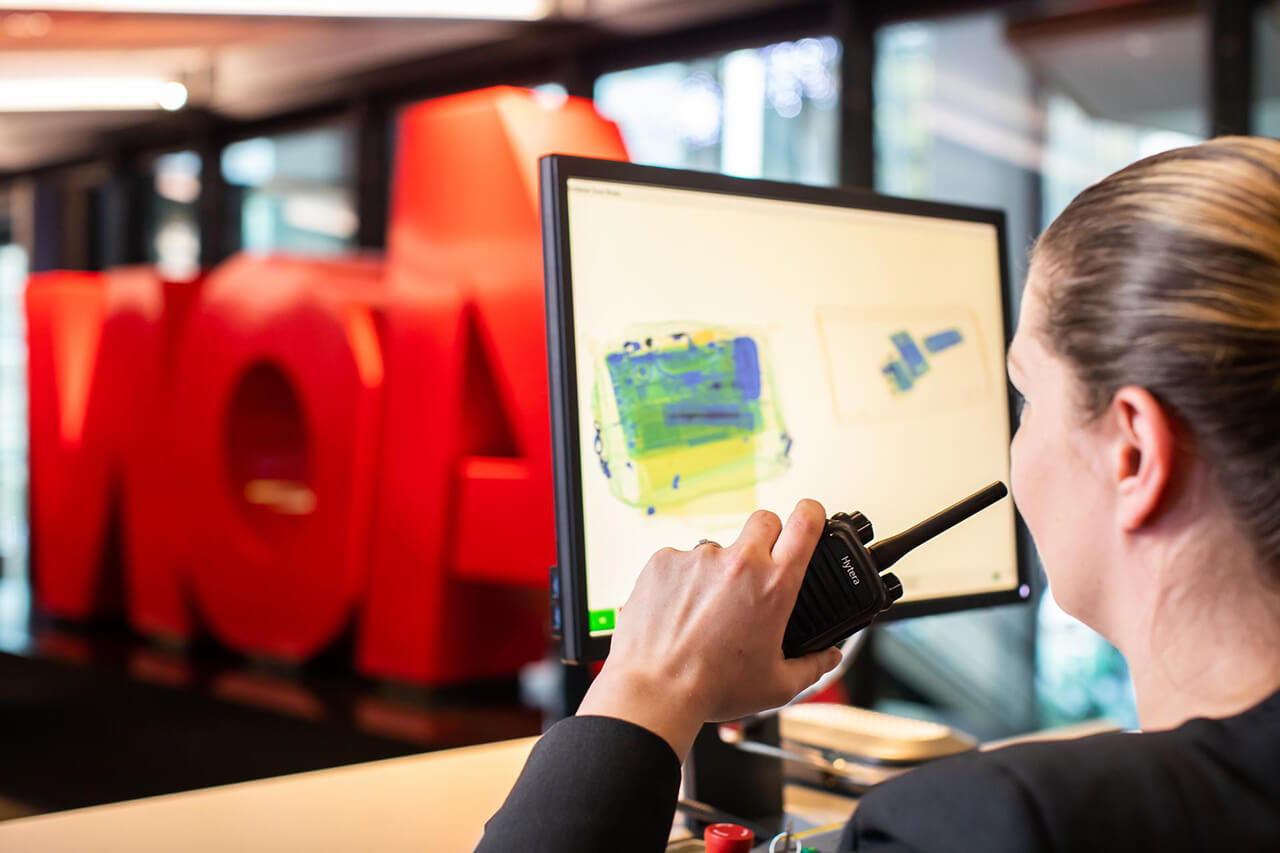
[(799, 673), (796, 543), (761, 530), (707, 625)]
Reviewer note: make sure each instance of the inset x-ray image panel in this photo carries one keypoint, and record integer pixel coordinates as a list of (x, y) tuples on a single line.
[(926, 361), (735, 353)]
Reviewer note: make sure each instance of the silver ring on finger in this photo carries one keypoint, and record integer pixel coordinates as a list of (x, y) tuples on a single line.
[(702, 542)]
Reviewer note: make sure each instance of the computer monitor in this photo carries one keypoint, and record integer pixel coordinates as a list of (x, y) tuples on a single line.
[(719, 345)]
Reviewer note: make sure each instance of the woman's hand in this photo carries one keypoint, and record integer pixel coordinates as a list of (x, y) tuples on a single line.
[(700, 638)]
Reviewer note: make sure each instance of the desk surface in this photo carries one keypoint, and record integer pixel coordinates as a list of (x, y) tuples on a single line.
[(438, 801)]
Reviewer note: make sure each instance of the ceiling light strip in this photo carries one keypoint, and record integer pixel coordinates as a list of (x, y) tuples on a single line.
[(526, 10), (90, 94)]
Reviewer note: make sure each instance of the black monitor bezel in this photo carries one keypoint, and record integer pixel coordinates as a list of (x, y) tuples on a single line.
[(577, 644)]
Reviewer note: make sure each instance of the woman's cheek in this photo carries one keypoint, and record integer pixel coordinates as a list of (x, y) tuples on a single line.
[(1016, 463), (1024, 480), (1034, 472)]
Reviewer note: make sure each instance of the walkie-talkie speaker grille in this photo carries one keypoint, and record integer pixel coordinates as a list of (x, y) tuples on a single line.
[(842, 591)]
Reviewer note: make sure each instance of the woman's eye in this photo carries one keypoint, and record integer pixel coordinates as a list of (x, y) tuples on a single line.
[(1019, 404)]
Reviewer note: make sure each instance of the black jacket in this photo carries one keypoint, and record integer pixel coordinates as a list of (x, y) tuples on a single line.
[(594, 783)]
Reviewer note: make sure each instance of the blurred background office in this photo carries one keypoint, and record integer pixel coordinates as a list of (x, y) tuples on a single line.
[(175, 139)]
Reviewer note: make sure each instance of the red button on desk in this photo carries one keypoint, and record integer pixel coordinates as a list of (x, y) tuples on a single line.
[(728, 838)]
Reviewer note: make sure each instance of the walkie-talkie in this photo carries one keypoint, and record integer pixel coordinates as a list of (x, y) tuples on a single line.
[(846, 586)]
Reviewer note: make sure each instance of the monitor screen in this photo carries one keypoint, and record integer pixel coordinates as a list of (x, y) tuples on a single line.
[(723, 345)]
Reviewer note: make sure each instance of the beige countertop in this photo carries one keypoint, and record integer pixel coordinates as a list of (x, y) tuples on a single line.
[(433, 802)]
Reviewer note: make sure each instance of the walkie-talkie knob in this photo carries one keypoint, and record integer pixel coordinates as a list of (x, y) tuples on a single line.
[(858, 523), (862, 526)]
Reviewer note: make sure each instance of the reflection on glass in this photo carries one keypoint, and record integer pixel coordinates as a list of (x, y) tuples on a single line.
[(976, 109), (767, 112), (296, 191), (13, 447), (174, 235), (1021, 115), (1082, 149), (957, 119)]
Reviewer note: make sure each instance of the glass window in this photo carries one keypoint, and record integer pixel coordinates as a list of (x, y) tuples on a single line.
[(14, 597), (1266, 66), (173, 225), (1003, 110), (1022, 115), (295, 191), (770, 112)]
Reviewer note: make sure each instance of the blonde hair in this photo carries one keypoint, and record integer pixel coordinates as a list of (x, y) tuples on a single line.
[(1166, 275)]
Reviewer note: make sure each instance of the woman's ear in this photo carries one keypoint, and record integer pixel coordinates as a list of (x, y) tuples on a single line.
[(1143, 446)]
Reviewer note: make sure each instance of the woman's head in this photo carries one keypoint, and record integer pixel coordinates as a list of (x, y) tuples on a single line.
[(1151, 325)]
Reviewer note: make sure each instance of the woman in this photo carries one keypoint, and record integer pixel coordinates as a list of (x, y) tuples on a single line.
[(1147, 467)]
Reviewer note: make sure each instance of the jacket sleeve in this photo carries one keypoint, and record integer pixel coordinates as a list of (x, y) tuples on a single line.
[(591, 783), (968, 803)]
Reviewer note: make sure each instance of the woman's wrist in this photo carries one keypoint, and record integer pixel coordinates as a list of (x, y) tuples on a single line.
[(663, 705)]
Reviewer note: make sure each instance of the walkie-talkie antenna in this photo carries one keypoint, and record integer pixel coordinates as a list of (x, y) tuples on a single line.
[(889, 551)]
